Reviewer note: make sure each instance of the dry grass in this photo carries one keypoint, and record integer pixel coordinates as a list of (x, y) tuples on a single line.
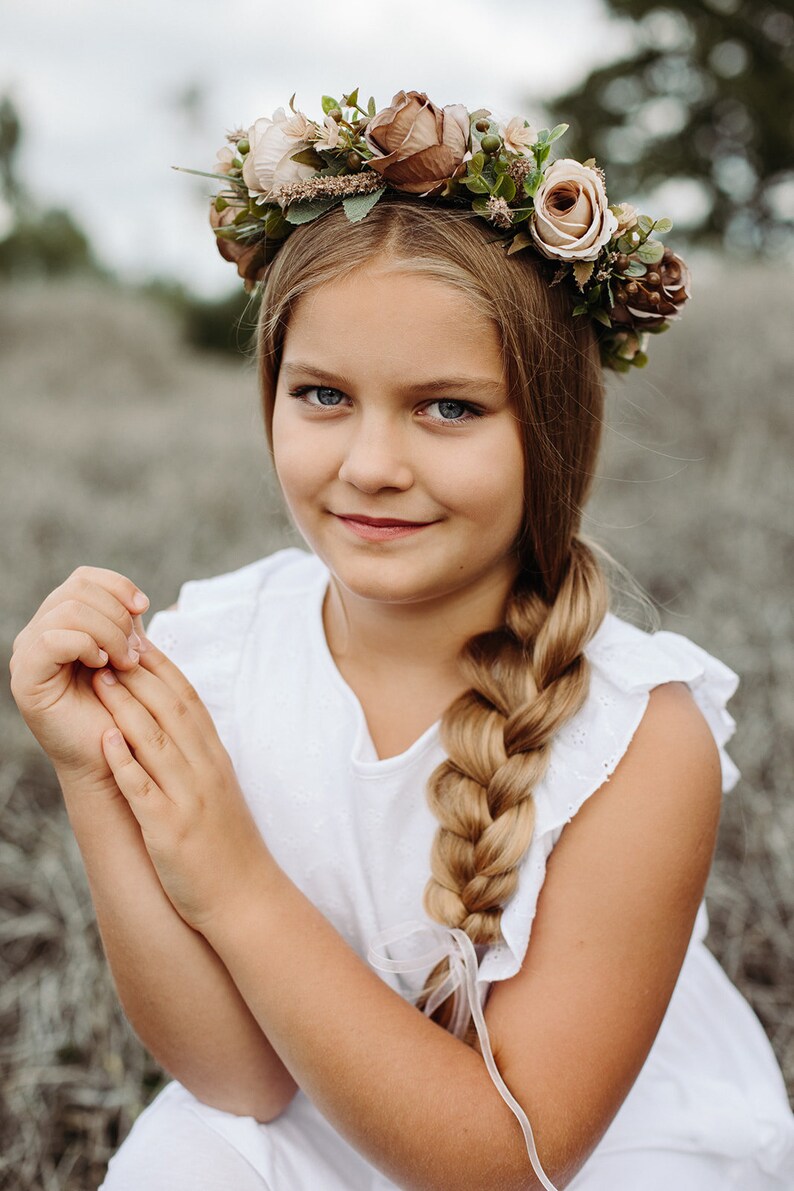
[(123, 450)]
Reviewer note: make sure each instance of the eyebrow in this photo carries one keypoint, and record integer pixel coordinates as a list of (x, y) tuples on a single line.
[(437, 384)]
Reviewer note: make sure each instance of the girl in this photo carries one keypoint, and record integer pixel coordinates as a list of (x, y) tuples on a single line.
[(421, 766)]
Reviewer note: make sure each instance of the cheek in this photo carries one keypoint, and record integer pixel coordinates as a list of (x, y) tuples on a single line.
[(295, 457)]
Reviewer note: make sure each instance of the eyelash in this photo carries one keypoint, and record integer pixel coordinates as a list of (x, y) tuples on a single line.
[(472, 410)]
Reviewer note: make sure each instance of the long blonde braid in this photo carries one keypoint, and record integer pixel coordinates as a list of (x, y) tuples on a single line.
[(527, 680)]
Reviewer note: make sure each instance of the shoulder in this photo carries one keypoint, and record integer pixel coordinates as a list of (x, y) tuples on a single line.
[(661, 681)]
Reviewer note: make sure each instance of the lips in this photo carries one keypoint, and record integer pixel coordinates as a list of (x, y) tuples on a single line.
[(378, 520)]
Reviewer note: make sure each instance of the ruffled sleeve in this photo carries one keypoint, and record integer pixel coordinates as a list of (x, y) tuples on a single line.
[(626, 664)]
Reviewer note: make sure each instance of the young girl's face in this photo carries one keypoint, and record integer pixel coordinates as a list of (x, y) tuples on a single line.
[(391, 404)]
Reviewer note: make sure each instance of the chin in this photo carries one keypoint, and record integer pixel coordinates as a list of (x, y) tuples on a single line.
[(382, 579)]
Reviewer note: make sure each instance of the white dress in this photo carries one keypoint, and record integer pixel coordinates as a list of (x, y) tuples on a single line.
[(709, 1108)]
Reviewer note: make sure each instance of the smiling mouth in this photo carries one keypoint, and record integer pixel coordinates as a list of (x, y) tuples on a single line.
[(384, 521), (381, 529)]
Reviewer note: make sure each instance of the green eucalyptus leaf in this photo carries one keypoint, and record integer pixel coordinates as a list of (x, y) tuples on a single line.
[(580, 309), (358, 205), (558, 131), (329, 103), (634, 269), (477, 185), (307, 210), (309, 157), (650, 252), (663, 226), (480, 205), (505, 188), (626, 244), (601, 316), (645, 224), (543, 137), (352, 99), (475, 163), (276, 226), (532, 182), (371, 108)]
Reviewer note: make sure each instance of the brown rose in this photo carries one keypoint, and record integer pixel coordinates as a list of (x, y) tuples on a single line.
[(648, 301), (249, 258), (417, 146)]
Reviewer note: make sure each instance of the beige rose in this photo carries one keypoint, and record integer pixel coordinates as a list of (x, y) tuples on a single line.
[(268, 162), (516, 137), (417, 146), (626, 217), (572, 220)]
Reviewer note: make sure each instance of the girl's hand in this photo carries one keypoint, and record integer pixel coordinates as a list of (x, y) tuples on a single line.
[(92, 611), (179, 781)]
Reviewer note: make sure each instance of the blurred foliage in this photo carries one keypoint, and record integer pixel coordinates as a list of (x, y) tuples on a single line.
[(224, 324), (707, 94), (46, 243), (42, 243)]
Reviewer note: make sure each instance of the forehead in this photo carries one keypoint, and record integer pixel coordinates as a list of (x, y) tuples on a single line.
[(397, 319)]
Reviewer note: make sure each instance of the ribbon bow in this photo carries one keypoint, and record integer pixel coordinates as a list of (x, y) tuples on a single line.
[(463, 985)]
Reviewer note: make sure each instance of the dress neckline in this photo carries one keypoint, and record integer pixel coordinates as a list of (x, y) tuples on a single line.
[(364, 757)]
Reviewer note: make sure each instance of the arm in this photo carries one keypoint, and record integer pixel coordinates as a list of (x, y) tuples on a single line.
[(621, 895), (175, 991)]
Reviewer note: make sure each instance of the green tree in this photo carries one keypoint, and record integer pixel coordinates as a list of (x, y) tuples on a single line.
[(43, 242), (707, 93)]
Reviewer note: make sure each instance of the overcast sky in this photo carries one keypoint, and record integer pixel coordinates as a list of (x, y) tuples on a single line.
[(102, 88)]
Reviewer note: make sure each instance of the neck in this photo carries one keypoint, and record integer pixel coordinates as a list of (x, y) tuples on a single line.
[(376, 637)]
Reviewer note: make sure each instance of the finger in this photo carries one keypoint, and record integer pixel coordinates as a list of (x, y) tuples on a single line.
[(155, 662), (176, 710), (108, 633), (155, 750), (55, 648), (85, 583), (144, 796), (73, 597)]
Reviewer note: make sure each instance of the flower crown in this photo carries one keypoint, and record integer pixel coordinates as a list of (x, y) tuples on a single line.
[(289, 170)]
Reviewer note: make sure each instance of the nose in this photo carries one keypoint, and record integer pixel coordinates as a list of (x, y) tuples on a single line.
[(375, 456)]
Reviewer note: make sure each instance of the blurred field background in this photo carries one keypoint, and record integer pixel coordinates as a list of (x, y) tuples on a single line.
[(131, 438)]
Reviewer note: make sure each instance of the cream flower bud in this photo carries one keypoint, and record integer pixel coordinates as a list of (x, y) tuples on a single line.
[(517, 138)]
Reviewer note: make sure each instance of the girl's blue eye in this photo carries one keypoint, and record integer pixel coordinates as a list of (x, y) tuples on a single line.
[(322, 393), (454, 411)]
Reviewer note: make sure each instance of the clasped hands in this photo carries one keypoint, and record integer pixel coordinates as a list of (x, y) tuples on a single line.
[(178, 779)]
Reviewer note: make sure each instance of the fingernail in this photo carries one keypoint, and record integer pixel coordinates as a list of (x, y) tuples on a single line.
[(108, 676), (134, 640), (140, 601), (133, 655), (143, 644)]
